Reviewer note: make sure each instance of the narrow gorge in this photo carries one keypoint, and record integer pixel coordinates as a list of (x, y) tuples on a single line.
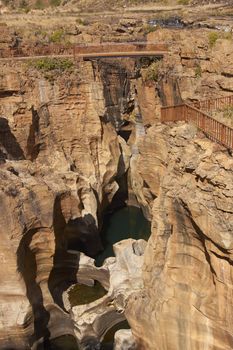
[(65, 163), (116, 229)]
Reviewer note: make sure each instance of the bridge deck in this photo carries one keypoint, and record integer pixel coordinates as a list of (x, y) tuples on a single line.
[(102, 50), (121, 54)]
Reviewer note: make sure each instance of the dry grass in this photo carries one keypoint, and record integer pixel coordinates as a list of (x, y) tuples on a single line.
[(224, 115)]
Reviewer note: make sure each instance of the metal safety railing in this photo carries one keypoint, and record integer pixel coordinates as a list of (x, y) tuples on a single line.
[(214, 103), (214, 129), (79, 50), (39, 50)]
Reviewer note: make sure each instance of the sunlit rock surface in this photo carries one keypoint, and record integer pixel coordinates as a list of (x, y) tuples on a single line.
[(93, 320), (186, 301), (124, 340), (61, 162)]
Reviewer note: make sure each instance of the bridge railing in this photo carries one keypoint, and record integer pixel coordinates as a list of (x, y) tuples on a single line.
[(120, 47), (214, 104), (173, 113), (214, 129), (79, 50), (39, 50)]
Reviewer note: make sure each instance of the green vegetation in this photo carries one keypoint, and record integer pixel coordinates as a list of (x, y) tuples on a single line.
[(23, 4), (81, 21), (198, 71), (55, 3), (51, 68), (57, 35), (148, 28), (48, 64), (213, 37), (81, 294), (152, 72), (228, 112), (39, 5), (183, 2), (224, 115), (42, 34)]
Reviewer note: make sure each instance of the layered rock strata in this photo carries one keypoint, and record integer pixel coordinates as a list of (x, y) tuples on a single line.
[(124, 275), (63, 152), (186, 301), (51, 201)]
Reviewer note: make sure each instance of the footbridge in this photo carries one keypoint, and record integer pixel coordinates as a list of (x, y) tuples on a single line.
[(198, 114), (133, 49), (87, 52)]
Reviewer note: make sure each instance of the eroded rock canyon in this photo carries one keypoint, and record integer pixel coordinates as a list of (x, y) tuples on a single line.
[(79, 142)]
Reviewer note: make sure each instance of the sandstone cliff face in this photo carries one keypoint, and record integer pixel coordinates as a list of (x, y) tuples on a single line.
[(186, 302), (202, 69), (59, 164)]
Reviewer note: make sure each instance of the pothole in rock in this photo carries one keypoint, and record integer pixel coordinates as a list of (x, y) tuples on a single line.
[(127, 222), (64, 342), (82, 294), (107, 343), (121, 224)]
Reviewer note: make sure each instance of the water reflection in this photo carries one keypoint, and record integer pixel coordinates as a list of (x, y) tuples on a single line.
[(81, 294), (107, 343), (128, 222), (65, 342)]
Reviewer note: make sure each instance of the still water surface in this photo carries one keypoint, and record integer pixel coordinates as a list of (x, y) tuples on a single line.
[(127, 222)]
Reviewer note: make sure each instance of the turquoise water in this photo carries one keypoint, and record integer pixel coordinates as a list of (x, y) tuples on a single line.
[(127, 222)]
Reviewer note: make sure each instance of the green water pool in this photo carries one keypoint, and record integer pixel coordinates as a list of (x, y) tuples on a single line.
[(127, 222), (81, 294)]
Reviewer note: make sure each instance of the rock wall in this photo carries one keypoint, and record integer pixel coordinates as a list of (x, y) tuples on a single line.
[(186, 302), (59, 164), (195, 67), (62, 154)]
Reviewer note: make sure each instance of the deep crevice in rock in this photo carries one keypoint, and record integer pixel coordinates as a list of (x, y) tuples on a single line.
[(27, 267), (32, 145), (9, 146)]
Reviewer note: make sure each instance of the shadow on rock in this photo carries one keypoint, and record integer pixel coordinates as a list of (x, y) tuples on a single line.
[(27, 267), (11, 148)]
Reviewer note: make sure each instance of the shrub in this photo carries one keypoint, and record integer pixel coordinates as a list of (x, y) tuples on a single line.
[(39, 5), (183, 2), (57, 36), (48, 64), (198, 71), (148, 28), (213, 37), (81, 21), (55, 3), (23, 4), (152, 72)]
